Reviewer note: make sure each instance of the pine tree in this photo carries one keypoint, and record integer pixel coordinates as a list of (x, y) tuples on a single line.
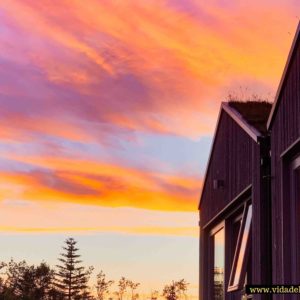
[(71, 278)]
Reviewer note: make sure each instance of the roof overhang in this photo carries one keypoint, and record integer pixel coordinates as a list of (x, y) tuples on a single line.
[(238, 118)]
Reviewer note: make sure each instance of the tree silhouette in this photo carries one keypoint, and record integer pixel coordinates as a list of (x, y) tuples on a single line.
[(181, 288), (123, 284), (71, 278), (175, 290), (133, 286), (21, 281), (102, 285), (154, 295), (2, 265), (27, 282), (169, 292), (219, 283)]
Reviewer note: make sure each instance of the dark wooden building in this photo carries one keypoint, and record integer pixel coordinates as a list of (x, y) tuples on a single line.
[(234, 200), (284, 128), (250, 202)]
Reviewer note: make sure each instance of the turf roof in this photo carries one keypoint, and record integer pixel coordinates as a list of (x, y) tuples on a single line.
[(256, 113)]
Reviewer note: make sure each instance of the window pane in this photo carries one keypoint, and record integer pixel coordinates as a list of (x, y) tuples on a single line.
[(234, 236), (297, 185), (219, 265), (242, 251), (296, 223)]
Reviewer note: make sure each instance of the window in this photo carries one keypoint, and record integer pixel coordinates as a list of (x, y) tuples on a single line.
[(295, 224), (290, 211), (233, 228), (228, 256), (240, 262), (217, 239), (219, 265)]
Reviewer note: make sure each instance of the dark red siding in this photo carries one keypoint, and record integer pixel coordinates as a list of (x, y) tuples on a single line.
[(232, 162), (240, 162), (285, 131)]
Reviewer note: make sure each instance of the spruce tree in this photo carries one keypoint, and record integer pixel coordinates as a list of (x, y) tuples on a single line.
[(71, 277)]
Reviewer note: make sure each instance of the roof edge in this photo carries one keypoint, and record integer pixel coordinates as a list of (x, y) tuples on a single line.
[(283, 77), (241, 121), (237, 117), (210, 153)]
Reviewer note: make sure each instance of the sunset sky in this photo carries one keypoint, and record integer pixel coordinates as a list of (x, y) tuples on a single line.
[(107, 115)]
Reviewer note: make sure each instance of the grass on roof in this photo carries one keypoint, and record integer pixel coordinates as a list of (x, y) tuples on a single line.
[(255, 112)]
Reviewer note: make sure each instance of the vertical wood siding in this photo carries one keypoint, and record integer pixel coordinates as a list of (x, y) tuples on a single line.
[(284, 132), (231, 161), (236, 159)]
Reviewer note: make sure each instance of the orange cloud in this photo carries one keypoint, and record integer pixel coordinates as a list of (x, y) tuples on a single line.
[(20, 128), (51, 217), (94, 182), (156, 231)]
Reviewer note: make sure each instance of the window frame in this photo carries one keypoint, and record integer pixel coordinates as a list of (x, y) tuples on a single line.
[(226, 218), (295, 224), (232, 286), (220, 226), (289, 162)]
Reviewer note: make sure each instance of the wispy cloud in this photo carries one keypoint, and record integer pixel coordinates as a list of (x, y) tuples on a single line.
[(110, 67), (94, 182)]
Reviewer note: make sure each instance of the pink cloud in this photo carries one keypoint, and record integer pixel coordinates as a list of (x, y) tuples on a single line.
[(142, 71)]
